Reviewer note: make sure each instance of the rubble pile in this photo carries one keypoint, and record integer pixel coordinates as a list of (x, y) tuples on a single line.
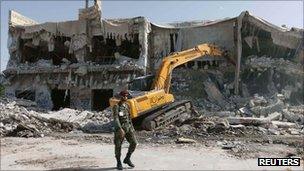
[(230, 129), (285, 122), (269, 103), (280, 64), (23, 118), (213, 89), (264, 116), (207, 89), (270, 100)]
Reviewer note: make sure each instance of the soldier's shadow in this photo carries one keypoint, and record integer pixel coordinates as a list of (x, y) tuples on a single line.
[(87, 169)]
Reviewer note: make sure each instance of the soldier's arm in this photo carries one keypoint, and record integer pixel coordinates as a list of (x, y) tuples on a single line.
[(128, 108), (115, 115), (129, 111)]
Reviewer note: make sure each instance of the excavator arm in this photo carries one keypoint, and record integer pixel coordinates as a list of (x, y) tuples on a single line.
[(157, 107), (163, 77)]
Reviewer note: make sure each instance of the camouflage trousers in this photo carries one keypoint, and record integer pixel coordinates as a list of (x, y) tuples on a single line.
[(130, 137)]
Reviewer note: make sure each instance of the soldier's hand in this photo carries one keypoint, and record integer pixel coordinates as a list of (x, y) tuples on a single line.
[(122, 133)]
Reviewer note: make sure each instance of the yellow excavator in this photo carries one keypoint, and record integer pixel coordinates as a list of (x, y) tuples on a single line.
[(151, 105)]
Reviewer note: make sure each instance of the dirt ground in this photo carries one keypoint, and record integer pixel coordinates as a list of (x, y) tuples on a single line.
[(75, 151)]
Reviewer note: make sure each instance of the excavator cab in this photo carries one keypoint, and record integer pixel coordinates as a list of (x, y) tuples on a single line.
[(143, 83), (136, 87)]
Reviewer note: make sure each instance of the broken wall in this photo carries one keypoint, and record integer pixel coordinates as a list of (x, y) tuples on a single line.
[(164, 40), (272, 59), (79, 81), (260, 37), (88, 39), (127, 39)]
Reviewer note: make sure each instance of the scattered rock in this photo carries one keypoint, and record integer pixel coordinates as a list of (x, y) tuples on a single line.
[(274, 131), (292, 117), (246, 112), (247, 121), (263, 130), (239, 126), (274, 116), (22, 118), (185, 128), (284, 124), (228, 144), (262, 111), (257, 101), (293, 131), (185, 140)]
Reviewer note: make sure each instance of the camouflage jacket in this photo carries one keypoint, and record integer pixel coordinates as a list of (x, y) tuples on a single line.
[(122, 119)]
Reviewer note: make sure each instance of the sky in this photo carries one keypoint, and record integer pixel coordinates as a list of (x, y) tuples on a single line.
[(281, 12)]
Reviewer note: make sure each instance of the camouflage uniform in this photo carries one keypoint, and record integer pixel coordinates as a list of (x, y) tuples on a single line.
[(122, 120)]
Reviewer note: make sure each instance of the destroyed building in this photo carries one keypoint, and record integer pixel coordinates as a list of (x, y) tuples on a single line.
[(82, 63)]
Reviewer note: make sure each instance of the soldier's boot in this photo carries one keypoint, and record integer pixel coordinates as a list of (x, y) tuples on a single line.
[(119, 165), (128, 161)]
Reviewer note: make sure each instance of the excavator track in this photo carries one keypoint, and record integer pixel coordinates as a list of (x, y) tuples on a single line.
[(167, 115)]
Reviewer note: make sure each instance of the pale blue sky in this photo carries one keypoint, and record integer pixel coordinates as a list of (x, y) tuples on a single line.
[(289, 13)]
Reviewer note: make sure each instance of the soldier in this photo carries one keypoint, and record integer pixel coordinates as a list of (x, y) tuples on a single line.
[(123, 129)]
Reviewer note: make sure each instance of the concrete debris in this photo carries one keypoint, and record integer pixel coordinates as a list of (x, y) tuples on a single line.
[(23, 118), (185, 128), (227, 144), (257, 101), (185, 140), (280, 124), (264, 130), (213, 93), (297, 109), (273, 131), (221, 114), (291, 116), (244, 111), (264, 111), (205, 124), (286, 66), (220, 125), (293, 131), (274, 116), (247, 121), (239, 126)]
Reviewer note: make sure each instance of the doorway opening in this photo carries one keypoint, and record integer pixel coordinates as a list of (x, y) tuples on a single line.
[(100, 99), (60, 98)]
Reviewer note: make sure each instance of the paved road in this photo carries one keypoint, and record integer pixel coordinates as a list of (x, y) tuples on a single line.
[(51, 153)]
